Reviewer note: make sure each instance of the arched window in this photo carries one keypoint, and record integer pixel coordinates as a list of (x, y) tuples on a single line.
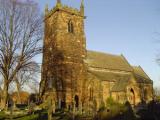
[(59, 85), (76, 98), (90, 93), (145, 94), (132, 97), (50, 82), (70, 27), (117, 97)]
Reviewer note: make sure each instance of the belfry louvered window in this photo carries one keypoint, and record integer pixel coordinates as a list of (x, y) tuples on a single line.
[(70, 27)]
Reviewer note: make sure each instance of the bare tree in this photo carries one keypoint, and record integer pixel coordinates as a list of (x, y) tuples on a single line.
[(20, 39), (27, 77), (34, 86)]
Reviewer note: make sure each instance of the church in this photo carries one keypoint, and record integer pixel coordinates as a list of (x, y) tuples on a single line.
[(75, 77)]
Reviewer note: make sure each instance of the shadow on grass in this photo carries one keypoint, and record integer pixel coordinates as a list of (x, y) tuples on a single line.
[(116, 112), (150, 111), (38, 115)]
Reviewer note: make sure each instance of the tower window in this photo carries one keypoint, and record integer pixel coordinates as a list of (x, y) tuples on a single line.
[(50, 82), (70, 27)]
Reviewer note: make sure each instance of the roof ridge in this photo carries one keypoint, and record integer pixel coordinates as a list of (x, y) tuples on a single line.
[(117, 55), (134, 66), (106, 60), (127, 61), (144, 72), (143, 75)]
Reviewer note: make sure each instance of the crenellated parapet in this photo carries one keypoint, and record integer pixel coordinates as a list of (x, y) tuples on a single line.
[(64, 8)]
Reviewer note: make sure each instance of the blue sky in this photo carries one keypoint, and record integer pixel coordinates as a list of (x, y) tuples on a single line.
[(128, 27)]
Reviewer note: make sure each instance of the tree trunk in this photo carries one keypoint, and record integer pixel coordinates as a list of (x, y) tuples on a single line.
[(4, 96), (18, 91)]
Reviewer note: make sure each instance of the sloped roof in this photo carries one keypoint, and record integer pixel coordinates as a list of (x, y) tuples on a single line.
[(114, 62), (108, 61), (120, 85), (139, 71), (109, 76), (140, 75), (121, 80)]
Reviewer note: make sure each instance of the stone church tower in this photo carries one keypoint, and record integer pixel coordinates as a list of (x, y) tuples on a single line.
[(63, 68)]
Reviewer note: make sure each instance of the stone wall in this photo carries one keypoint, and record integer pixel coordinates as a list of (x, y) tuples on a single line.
[(63, 56)]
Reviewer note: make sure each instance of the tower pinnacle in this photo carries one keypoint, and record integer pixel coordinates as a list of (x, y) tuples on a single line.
[(82, 3), (58, 1), (46, 9), (82, 7)]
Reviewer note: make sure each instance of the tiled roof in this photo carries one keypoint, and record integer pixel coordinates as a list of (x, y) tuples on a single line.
[(114, 62), (121, 80), (140, 75), (139, 71), (120, 85), (108, 61), (108, 76)]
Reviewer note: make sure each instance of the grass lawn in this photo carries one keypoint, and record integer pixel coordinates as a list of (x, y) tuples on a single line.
[(38, 115)]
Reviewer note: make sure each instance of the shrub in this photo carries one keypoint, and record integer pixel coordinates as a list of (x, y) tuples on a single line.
[(110, 101), (115, 111)]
